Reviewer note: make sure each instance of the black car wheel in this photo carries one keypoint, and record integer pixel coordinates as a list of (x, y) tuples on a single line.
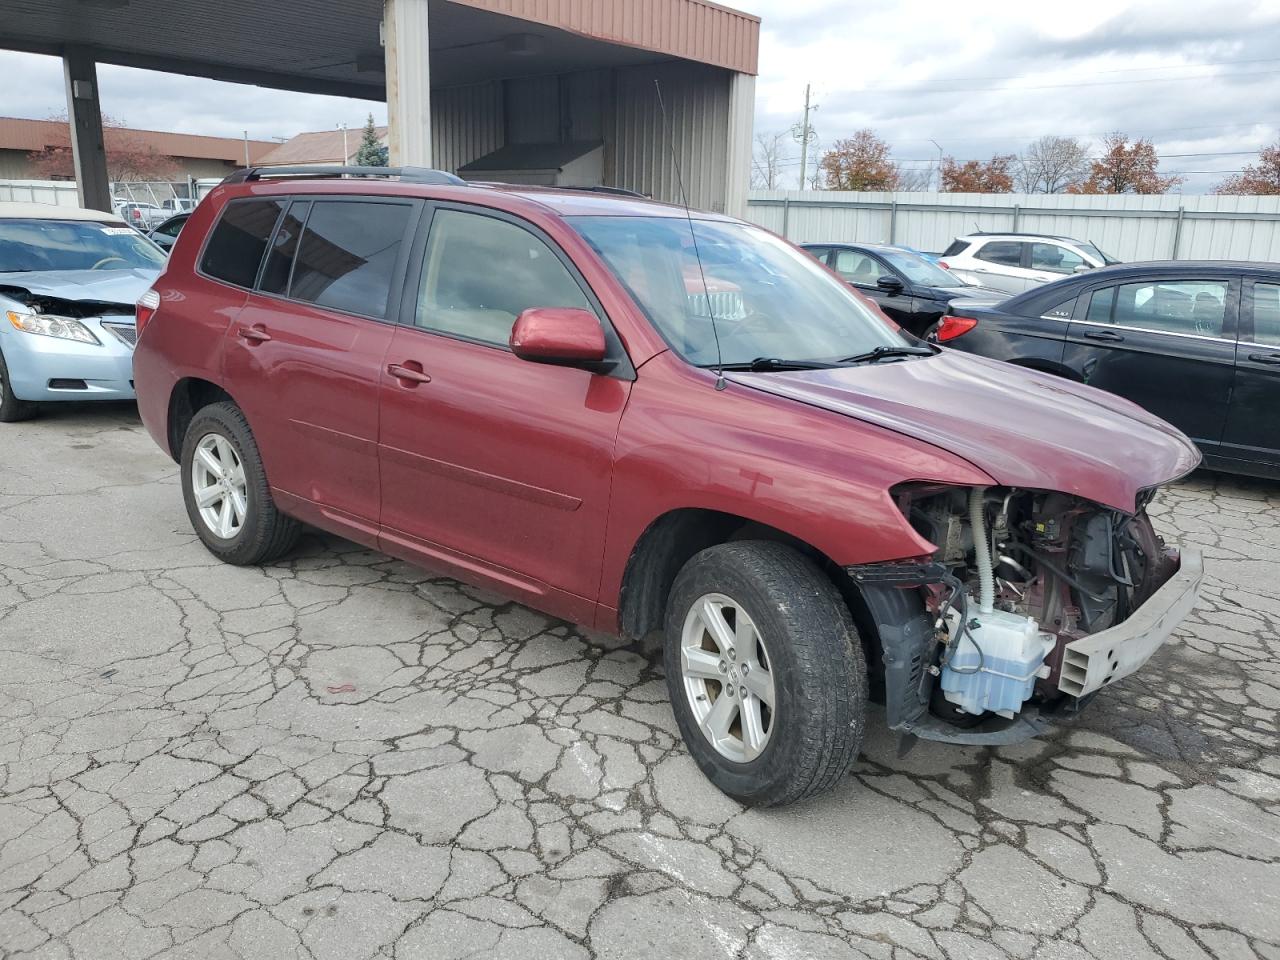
[(765, 672), (11, 408)]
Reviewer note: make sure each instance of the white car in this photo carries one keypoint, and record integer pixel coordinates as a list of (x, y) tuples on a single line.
[(1015, 262)]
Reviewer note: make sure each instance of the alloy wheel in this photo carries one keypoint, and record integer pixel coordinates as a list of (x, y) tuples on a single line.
[(727, 677), (219, 485)]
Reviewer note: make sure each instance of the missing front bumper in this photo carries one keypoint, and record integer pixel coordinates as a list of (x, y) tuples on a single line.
[(1102, 658)]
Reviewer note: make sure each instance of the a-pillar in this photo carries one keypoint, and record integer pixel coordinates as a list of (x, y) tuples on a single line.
[(408, 66), (84, 113)]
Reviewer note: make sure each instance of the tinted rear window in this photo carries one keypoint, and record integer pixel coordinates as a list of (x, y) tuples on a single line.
[(348, 254), (239, 240), (275, 278), (957, 246)]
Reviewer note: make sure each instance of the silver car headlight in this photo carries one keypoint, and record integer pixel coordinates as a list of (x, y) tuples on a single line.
[(44, 325)]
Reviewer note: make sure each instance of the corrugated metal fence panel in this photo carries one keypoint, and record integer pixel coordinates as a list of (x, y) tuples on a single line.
[(697, 102), (1126, 226), (692, 29), (466, 123), (60, 192)]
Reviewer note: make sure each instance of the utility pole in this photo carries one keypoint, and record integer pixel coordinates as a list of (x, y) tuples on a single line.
[(246, 149), (346, 153), (805, 134), (939, 146)]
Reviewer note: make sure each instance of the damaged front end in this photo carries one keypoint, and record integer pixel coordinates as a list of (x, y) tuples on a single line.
[(1032, 602)]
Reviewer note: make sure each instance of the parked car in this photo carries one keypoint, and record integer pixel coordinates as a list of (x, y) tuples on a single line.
[(911, 291), (172, 205), (1016, 262), (1195, 342), (165, 234), (143, 216), (516, 387), (69, 280)]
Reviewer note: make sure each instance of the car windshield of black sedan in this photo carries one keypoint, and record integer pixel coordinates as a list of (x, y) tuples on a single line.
[(919, 270), (768, 298), (34, 245)]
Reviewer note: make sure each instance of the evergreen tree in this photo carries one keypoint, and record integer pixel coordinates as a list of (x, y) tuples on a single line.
[(371, 152)]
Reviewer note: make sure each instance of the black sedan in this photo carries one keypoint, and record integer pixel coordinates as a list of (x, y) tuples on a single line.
[(912, 291), (1195, 342), (166, 233)]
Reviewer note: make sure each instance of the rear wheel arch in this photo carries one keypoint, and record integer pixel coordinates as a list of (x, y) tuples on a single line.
[(188, 397)]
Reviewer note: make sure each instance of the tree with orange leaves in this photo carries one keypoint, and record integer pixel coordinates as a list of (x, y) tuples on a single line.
[(1126, 168), (1257, 180), (976, 176)]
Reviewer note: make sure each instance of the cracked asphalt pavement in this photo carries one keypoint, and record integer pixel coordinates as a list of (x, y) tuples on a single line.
[(340, 756)]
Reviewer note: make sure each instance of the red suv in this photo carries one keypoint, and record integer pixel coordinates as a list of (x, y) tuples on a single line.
[(638, 419)]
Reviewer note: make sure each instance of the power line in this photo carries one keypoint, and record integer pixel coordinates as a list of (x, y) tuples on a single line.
[(1062, 86), (1168, 66)]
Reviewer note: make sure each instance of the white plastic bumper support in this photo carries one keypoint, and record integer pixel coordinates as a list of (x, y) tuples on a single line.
[(1102, 658)]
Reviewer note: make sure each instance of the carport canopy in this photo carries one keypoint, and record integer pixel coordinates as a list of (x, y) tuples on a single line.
[(393, 50)]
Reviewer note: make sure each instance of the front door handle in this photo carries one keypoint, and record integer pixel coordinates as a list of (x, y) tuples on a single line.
[(1271, 358), (409, 372), (254, 334), (1106, 335)]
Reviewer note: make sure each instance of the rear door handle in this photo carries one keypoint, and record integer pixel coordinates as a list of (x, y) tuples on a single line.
[(1106, 335), (1271, 358), (404, 372), (255, 334)]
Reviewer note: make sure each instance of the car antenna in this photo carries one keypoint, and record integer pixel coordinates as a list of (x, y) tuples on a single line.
[(684, 198)]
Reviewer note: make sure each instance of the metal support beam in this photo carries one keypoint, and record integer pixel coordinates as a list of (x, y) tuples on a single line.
[(893, 221), (742, 100), (405, 39), (84, 113), (1177, 232)]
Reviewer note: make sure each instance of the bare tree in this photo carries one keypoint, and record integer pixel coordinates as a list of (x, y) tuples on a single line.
[(767, 157), (914, 179), (1052, 165)]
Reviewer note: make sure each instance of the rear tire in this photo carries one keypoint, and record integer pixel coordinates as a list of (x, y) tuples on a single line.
[(12, 410), (226, 492), (807, 647)]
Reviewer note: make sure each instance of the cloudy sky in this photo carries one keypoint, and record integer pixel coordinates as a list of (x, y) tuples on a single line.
[(1201, 80)]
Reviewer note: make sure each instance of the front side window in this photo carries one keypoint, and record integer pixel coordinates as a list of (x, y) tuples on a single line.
[(1173, 306), (347, 255), (1004, 252), (1266, 314), (28, 245), (768, 299), (1054, 258), (239, 240), (482, 272), (858, 267)]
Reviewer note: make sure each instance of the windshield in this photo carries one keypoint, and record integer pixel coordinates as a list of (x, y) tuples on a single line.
[(769, 299), (919, 270), (1103, 258), (31, 245)]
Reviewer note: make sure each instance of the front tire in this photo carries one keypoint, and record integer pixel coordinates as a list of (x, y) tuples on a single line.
[(12, 410), (226, 492), (765, 671)]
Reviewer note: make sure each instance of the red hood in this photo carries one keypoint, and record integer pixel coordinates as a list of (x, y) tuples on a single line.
[(1022, 428)]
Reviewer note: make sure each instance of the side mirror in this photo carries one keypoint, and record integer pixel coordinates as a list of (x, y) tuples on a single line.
[(1083, 268), (565, 336), (889, 284)]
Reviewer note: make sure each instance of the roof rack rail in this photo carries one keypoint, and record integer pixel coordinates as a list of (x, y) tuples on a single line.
[(613, 191), (406, 174)]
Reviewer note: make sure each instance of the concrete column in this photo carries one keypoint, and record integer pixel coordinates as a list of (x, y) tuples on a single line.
[(408, 64), (742, 108), (84, 113)]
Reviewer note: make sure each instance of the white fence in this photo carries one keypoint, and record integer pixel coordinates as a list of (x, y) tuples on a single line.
[(1127, 227), (60, 192)]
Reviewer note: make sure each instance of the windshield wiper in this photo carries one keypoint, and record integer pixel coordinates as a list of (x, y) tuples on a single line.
[(765, 364), (882, 352)]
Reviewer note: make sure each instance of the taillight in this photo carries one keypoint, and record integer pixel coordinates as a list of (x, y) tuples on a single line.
[(944, 265), (148, 304), (952, 327)]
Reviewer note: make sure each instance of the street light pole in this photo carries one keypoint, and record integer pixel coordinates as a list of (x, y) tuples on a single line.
[(939, 146)]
